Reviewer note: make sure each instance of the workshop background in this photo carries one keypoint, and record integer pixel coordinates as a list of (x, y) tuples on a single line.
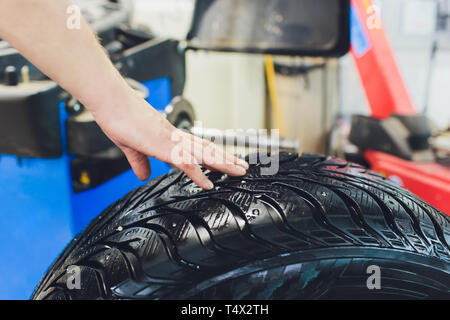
[(237, 100), (229, 91)]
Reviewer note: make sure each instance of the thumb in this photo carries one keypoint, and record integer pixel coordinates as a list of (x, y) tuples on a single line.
[(139, 163)]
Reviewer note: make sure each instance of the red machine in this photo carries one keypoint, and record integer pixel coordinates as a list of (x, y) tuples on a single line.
[(395, 138)]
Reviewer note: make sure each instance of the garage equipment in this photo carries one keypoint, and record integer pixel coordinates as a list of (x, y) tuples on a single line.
[(57, 168), (394, 140)]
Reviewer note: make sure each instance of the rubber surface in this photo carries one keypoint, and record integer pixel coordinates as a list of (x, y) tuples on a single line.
[(311, 231)]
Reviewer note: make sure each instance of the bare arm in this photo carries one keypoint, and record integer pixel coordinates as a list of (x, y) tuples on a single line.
[(76, 61)]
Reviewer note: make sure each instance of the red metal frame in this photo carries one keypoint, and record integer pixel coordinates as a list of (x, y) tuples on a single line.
[(381, 78), (431, 181), (387, 94)]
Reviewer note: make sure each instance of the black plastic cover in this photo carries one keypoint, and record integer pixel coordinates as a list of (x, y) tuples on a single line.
[(419, 129), (290, 27), (90, 172), (29, 121), (155, 59), (85, 138), (399, 135)]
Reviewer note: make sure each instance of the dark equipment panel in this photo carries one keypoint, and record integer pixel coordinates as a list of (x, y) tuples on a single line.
[(293, 27)]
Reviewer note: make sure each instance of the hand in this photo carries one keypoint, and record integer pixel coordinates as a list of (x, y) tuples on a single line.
[(141, 131)]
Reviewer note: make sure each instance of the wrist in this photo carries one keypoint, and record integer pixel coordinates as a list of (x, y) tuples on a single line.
[(112, 99)]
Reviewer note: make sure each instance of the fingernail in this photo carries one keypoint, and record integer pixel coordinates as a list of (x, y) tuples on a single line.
[(243, 164), (241, 170), (209, 185)]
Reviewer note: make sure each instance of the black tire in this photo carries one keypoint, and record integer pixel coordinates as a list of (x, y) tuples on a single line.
[(310, 231)]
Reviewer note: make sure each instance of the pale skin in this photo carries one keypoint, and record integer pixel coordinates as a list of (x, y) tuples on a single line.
[(77, 62)]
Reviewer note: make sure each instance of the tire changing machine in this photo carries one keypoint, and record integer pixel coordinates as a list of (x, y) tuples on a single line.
[(57, 169)]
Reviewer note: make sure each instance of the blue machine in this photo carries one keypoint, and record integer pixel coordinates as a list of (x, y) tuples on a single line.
[(44, 151), (40, 212)]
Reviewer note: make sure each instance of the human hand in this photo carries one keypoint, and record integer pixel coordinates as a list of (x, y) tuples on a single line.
[(141, 131)]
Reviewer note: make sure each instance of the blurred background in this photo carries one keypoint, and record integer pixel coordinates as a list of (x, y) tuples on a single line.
[(236, 98)]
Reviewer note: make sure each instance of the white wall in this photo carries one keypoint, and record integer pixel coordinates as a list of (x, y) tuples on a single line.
[(226, 90)]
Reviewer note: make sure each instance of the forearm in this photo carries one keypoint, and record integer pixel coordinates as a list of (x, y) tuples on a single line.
[(71, 57), (76, 61)]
